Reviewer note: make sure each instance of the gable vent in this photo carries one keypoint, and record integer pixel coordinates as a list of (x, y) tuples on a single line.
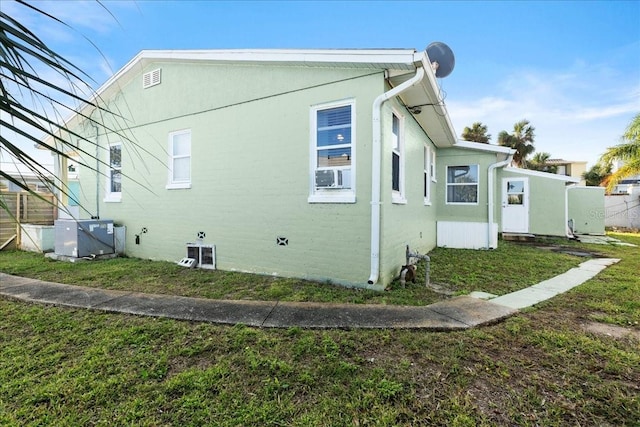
[(151, 78)]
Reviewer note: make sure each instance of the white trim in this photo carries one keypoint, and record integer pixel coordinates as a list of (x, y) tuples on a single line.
[(447, 183), (426, 174), (398, 196), (548, 175), (434, 170), (483, 147), (115, 196), (331, 195), (171, 183)]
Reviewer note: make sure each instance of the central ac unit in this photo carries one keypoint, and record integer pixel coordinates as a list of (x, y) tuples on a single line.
[(331, 178)]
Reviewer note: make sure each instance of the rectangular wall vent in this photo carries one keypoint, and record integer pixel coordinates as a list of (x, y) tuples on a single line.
[(151, 78), (204, 255)]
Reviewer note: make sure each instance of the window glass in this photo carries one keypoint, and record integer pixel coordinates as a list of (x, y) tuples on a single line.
[(462, 184), (115, 172), (332, 149), (180, 159)]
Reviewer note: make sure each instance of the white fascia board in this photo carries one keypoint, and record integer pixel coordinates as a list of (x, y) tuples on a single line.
[(484, 147), (382, 57), (547, 175)]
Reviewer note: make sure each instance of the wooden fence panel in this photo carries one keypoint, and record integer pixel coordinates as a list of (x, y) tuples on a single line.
[(24, 208)]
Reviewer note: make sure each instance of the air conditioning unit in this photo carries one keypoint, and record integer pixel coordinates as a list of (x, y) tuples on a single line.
[(331, 178)]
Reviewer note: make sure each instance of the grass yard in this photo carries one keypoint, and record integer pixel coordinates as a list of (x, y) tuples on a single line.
[(544, 367), (460, 271)]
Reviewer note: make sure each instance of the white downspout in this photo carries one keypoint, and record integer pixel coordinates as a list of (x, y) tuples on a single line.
[(376, 164), (490, 195)]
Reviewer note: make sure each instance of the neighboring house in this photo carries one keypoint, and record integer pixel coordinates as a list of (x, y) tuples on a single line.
[(574, 169), (626, 186), (22, 174), (318, 164)]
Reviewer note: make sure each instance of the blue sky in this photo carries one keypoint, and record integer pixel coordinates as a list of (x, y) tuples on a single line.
[(572, 68)]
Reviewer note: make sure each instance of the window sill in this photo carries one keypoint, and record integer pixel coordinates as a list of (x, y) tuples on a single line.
[(113, 198), (398, 200), (461, 204), (332, 198), (427, 202), (178, 186)]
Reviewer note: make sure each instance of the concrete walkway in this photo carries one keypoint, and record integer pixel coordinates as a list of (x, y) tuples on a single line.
[(453, 314)]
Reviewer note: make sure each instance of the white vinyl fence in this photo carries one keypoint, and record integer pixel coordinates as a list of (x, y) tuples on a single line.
[(623, 210)]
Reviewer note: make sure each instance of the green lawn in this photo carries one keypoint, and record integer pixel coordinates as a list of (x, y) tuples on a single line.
[(460, 271), (541, 367)]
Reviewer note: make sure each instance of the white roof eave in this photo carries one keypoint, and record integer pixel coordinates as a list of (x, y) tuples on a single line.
[(543, 174)]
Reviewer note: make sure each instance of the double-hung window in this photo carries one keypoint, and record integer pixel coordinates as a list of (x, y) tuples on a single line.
[(397, 159), (114, 177), (333, 153), (179, 160), (462, 184), (426, 175)]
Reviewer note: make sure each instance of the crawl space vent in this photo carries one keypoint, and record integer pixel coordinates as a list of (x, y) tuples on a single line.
[(151, 78)]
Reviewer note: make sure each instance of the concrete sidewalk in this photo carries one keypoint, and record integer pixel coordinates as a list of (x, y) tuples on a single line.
[(453, 314)]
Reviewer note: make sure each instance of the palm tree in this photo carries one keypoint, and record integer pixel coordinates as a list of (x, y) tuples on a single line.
[(628, 152), (521, 140), (476, 133), (540, 162), (32, 106), (598, 173)]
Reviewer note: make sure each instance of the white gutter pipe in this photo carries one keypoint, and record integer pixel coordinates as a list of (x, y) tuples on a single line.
[(490, 195), (376, 164)]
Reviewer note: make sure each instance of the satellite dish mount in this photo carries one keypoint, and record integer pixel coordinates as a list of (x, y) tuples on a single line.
[(442, 59)]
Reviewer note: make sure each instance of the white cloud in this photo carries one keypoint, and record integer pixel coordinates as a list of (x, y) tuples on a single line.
[(577, 112)]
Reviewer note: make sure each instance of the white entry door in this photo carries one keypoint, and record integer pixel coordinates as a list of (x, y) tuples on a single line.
[(515, 205)]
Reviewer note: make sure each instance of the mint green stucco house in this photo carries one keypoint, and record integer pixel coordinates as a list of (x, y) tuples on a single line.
[(319, 164)]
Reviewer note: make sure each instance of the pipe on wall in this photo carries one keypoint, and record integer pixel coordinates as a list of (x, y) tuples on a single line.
[(376, 164), (491, 197)]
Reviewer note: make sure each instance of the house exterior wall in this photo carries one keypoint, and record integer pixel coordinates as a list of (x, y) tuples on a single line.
[(464, 226), (411, 222), (546, 203), (460, 157), (250, 174), (587, 209)]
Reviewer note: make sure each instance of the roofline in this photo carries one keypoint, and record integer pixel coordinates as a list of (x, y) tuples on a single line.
[(309, 57), (542, 174), (483, 147)]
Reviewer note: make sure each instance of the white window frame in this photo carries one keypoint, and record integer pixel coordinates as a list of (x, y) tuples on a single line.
[(427, 174), (433, 165), (173, 184), (113, 196), (476, 184), (331, 195), (397, 148)]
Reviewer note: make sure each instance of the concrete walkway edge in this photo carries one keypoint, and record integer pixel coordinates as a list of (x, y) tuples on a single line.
[(457, 313)]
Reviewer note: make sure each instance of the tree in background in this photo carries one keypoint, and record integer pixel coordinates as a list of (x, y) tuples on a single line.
[(597, 175), (539, 162), (476, 133), (627, 152), (521, 140)]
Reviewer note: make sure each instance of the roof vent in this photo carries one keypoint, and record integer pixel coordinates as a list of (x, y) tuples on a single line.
[(151, 78)]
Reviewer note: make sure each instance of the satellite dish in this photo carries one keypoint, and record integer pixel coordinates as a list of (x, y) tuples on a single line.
[(442, 59)]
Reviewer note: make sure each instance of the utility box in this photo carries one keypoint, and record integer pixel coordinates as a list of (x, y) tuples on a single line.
[(84, 238)]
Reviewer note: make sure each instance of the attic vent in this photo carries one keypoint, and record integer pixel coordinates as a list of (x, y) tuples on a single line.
[(151, 78)]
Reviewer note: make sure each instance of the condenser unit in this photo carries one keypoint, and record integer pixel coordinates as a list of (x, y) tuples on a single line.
[(84, 238)]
